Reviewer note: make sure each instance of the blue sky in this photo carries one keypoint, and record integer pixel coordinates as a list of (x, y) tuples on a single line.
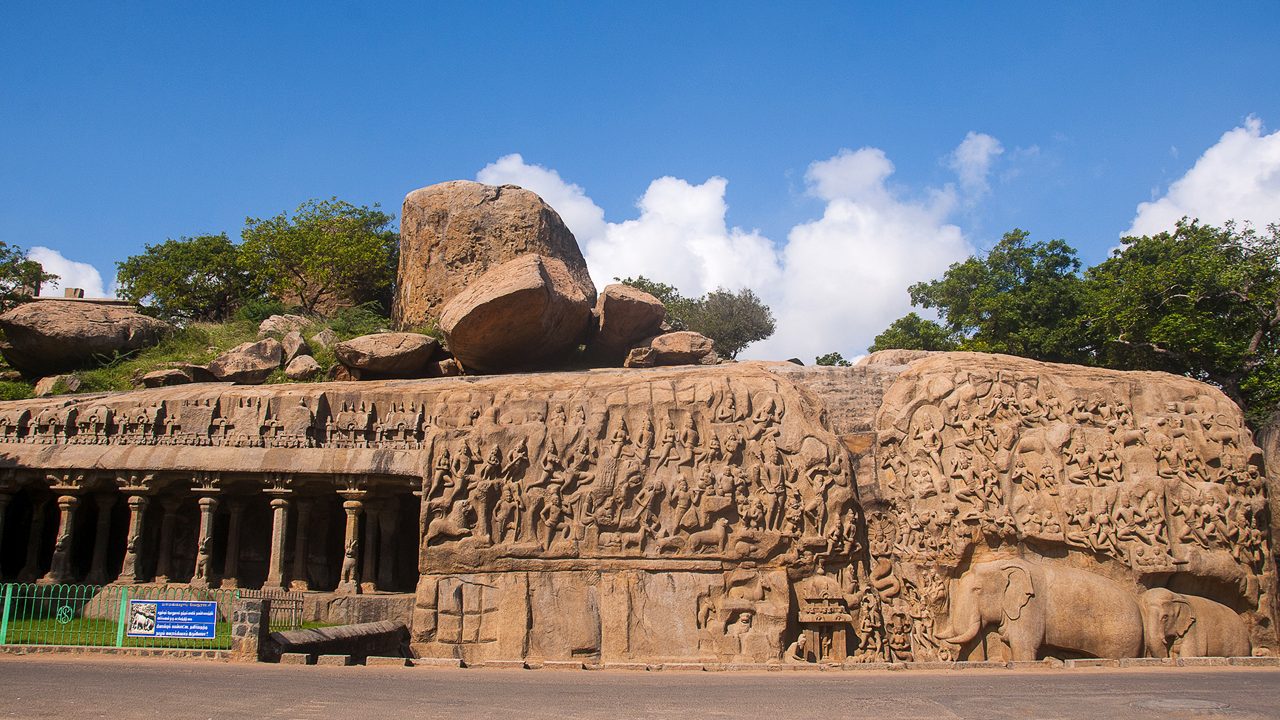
[(123, 124)]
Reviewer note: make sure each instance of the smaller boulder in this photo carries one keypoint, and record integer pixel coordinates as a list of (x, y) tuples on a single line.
[(59, 384), (249, 363), (342, 373), (640, 357), (520, 314), (165, 378), (626, 316), (326, 338), (294, 346), (283, 325), (302, 367), (196, 373), (392, 354), (448, 367), (683, 348)]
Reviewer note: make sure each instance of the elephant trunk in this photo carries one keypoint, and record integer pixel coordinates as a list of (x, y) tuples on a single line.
[(947, 634)]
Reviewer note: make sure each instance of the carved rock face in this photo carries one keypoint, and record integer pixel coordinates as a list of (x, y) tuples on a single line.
[(451, 233), (248, 363), (520, 313), (50, 335), (388, 354)]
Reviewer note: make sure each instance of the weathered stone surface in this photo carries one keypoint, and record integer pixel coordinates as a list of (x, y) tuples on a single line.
[(248, 363), (452, 233), (196, 373), (961, 508), (303, 367), (626, 316), (388, 354), (447, 367), (280, 325), (684, 347), (46, 386), (326, 338), (165, 378), (640, 357), (893, 357), (517, 315), (293, 345), (51, 335)]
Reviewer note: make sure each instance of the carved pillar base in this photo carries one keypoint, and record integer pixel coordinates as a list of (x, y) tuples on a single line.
[(279, 531), (349, 576), (60, 568)]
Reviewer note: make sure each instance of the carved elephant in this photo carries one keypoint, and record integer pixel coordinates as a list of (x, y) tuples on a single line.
[(1037, 607), (1178, 625)]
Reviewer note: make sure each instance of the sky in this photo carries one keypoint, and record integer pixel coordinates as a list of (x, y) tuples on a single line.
[(826, 155)]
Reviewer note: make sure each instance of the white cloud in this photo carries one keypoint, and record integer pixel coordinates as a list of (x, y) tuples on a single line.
[(837, 281), (583, 216), (1238, 178), (846, 273), (71, 274), (971, 161)]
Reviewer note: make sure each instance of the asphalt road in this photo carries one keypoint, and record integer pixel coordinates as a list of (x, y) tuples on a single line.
[(121, 688)]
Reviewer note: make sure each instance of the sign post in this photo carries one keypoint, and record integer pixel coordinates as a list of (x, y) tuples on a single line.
[(189, 619)]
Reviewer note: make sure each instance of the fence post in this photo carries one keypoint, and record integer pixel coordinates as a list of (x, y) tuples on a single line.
[(124, 616), (4, 614)]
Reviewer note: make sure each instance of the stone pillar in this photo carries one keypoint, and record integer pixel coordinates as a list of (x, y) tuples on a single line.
[(60, 567), (231, 563), (301, 550), (164, 564), (204, 543), (101, 540), (250, 629), (349, 575), (279, 531), (369, 564), (386, 550), (129, 568), (31, 569)]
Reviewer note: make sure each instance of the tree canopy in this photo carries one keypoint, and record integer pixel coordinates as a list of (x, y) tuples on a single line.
[(20, 277), (329, 251), (733, 320), (832, 359), (191, 278), (1199, 300), (1021, 298)]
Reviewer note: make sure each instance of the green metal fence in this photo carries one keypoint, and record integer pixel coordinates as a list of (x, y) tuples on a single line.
[(34, 614)]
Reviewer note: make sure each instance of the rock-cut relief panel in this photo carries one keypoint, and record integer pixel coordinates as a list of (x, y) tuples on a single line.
[(1150, 480)]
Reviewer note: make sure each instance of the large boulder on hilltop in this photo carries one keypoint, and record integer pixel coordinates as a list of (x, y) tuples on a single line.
[(248, 363), (520, 314), (626, 316), (452, 233), (51, 335), (390, 354)]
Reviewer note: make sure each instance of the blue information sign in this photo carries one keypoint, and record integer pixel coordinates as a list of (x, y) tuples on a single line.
[(196, 619)]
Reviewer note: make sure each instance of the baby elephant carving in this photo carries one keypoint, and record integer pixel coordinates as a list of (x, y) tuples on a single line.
[(1176, 625)]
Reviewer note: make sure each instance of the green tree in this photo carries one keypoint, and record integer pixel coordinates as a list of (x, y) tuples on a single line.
[(912, 332), (191, 278), (328, 253), (1021, 298), (1200, 301), (733, 320), (832, 359), (20, 277)]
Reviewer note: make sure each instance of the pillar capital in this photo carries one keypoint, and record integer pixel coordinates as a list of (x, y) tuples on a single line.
[(208, 503)]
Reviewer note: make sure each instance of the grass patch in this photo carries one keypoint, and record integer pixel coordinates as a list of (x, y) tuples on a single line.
[(197, 343)]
